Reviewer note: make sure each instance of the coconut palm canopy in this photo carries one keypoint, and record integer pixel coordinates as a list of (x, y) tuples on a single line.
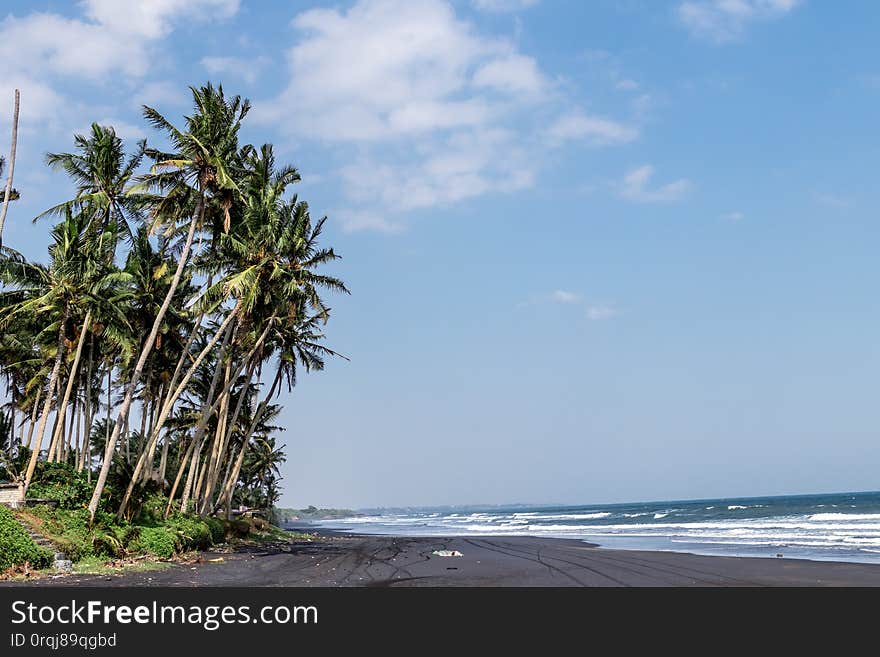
[(183, 288)]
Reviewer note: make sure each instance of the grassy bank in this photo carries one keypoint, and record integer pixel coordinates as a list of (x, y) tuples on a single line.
[(140, 541)]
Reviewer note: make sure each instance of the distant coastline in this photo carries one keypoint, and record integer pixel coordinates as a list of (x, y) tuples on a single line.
[(822, 527)]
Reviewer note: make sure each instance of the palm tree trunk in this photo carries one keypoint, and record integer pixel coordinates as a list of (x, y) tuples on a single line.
[(53, 446), (163, 460), (229, 484), (224, 330), (181, 468), (7, 193), (228, 429), (47, 406), (142, 360), (213, 452), (33, 425), (88, 409)]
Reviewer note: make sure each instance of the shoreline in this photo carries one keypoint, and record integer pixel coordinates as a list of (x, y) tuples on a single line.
[(339, 559)]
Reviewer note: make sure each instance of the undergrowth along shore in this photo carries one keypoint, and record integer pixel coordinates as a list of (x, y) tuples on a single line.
[(146, 535)]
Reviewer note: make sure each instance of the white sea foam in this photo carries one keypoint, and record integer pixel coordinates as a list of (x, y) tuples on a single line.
[(657, 516), (576, 516), (736, 506), (822, 517)]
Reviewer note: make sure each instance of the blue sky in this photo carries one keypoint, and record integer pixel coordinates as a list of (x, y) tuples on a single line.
[(599, 251)]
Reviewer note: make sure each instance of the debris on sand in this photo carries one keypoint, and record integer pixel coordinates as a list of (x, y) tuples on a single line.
[(446, 553)]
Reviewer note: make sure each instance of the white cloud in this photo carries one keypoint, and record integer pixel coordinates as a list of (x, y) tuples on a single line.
[(153, 19), (577, 125), (237, 67), (514, 73), (723, 21), (109, 39), (500, 6), (393, 68), (636, 187), (734, 216), (598, 313), (123, 129), (426, 109), (353, 220), (626, 85), (832, 200), (160, 94), (563, 296)]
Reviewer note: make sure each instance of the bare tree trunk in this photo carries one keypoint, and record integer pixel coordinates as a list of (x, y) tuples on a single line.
[(228, 429), (180, 470), (34, 411), (163, 460), (7, 193), (213, 451), (224, 329), (229, 484), (47, 406), (142, 360), (85, 456), (62, 408)]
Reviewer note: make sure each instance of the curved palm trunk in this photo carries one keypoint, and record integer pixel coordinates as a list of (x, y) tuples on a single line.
[(47, 406), (54, 446), (168, 405), (213, 453), (228, 429), (7, 193), (34, 411), (139, 367), (203, 422), (229, 485), (180, 470)]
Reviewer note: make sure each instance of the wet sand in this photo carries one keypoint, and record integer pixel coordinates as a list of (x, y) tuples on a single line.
[(382, 561)]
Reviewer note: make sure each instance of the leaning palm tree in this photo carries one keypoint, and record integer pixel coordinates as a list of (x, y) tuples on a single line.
[(64, 295), (205, 154)]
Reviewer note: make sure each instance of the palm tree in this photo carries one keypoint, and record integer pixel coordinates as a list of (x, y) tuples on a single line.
[(205, 154), (102, 175), (63, 295)]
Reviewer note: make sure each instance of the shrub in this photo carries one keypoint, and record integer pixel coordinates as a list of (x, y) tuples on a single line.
[(193, 533), (60, 481), (218, 529), (17, 547), (159, 541)]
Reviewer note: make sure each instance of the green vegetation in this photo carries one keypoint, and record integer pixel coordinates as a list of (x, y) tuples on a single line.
[(144, 359), (312, 513), (17, 547)]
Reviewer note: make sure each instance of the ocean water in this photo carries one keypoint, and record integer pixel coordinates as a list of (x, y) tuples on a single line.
[(838, 527)]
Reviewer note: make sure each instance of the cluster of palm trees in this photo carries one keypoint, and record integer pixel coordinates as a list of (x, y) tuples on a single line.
[(178, 299)]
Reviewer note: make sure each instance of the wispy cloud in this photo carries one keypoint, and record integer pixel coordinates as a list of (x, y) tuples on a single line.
[(636, 187), (43, 51), (598, 130), (832, 200), (563, 296), (592, 311), (434, 109), (247, 69), (500, 6), (723, 21), (733, 216), (598, 313)]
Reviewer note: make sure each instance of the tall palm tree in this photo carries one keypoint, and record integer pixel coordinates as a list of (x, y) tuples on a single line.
[(103, 177), (62, 294), (205, 154)]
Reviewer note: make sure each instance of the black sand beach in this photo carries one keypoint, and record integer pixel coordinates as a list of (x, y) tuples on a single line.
[(381, 561)]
